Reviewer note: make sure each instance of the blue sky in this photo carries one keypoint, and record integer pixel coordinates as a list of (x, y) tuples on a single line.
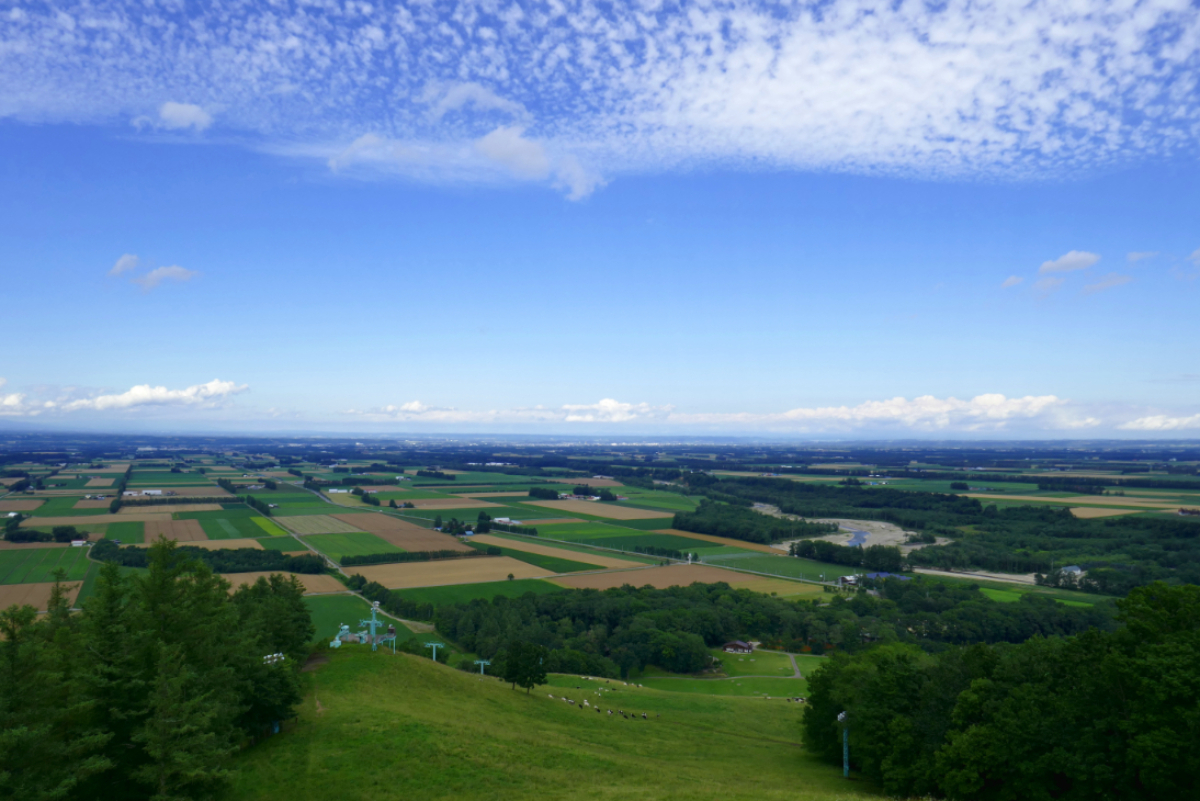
[(830, 221)]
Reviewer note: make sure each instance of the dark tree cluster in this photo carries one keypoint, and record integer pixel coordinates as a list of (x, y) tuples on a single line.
[(224, 560), (1102, 715), (735, 522), (149, 691)]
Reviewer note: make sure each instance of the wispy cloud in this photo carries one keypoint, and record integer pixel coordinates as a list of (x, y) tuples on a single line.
[(156, 276), (1048, 285), (605, 88), (1140, 255), (1107, 282), (124, 264), (1069, 262), (1012, 281)]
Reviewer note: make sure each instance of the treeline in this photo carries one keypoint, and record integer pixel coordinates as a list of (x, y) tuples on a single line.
[(654, 550), (673, 628), (405, 556), (257, 505), (161, 500), (224, 560), (543, 493), (739, 523), (58, 534), (1103, 715), (872, 558), (151, 689), (437, 474)]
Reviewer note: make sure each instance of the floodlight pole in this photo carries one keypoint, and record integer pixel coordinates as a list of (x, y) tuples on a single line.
[(373, 624), (435, 646), (482, 663), (845, 747)]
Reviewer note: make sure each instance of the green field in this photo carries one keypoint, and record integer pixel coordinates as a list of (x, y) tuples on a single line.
[(426, 729), (134, 531), (329, 612), (465, 593), (550, 563), (1009, 591), (775, 688), (226, 528), (627, 542), (287, 544), (358, 543), (63, 506), (758, 663), (784, 566), (33, 565), (548, 541), (228, 512), (268, 528)]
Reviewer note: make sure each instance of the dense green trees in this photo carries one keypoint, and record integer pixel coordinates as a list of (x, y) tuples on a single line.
[(524, 665), (224, 560), (1106, 714), (147, 691), (543, 493), (626, 629), (735, 522), (872, 558)]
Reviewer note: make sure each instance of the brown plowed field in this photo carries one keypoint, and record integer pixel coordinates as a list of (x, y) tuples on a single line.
[(100, 482), (404, 535), (591, 482), (22, 505), (660, 577), (313, 582), (178, 530), (138, 509), (5, 545), (548, 550), (36, 595), (598, 509), (451, 503), (749, 546), (448, 571)]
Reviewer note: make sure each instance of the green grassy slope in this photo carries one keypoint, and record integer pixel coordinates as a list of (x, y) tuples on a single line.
[(399, 727)]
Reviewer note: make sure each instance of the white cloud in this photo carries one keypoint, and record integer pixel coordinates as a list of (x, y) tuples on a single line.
[(1107, 282), (506, 146), (926, 413), (480, 98), (1011, 281), (124, 264), (11, 404), (179, 116), (1161, 422), (156, 276), (145, 395), (1140, 255), (1002, 88), (1069, 262)]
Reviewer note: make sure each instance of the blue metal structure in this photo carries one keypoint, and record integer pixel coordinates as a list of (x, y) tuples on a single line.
[(435, 646), (845, 746), (482, 663), (373, 625)]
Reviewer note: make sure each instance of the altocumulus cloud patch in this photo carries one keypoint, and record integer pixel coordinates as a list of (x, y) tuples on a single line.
[(1007, 88)]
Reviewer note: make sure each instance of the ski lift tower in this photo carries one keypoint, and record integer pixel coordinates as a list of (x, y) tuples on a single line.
[(435, 646), (482, 664), (374, 624)]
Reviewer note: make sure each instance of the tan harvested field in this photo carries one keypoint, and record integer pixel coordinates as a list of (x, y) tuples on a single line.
[(1091, 512), (749, 546), (86, 504), (215, 545), (1013, 578), (448, 571), (549, 550), (404, 535), (591, 482), (278, 474), (113, 468), (137, 509), (491, 494), (8, 482), (384, 488), (600, 509), (82, 521), (781, 587), (1079, 500), (660, 577), (178, 530), (313, 582), (100, 482), (35, 595), (21, 505), (452, 503), (316, 524)]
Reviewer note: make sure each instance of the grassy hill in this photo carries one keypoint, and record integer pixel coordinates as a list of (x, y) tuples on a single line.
[(378, 726)]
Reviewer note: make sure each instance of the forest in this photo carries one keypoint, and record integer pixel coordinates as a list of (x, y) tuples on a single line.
[(1118, 553), (1107, 714), (150, 690), (223, 560), (739, 523), (622, 630)]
